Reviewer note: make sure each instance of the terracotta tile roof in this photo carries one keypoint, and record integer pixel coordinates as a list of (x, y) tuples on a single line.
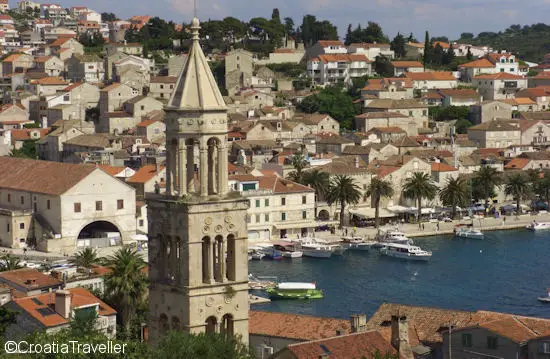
[(535, 92), (25, 134), (326, 43), (442, 167), (110, 87), (381, 114), (281, 185), (460, 93), (395, 104), (54, 81), (368, 45), (432, 95), (72, 86), (444, 45), (98, 140), (495, 126), (244, 178), (535, 115), (60, 41), (80, 297), (407, 64), (294, 326), (112, 170), (357, 345), (489, 151), (30, 279), (431, 76), (390, 129), (481, 63), (517, 163), (28, 175), (146, 123), (384, 170), (42, 58), (283, 51), (344, 166), (11, 58), (498, 76), (541, 156), (406, 141), (145, 174), (164, 79)]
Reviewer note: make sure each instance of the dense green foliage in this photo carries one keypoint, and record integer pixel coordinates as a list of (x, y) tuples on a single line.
[(313, 30), (438, 113), (299, 163), (382, 66), (28, 150), (108, 17), (531, 42), (93, 43), (157, 34), (332, 101), (484, 183), (377, 189), (9, 262), (419, 186), (372, 33), (518, 187), (456, 193), (398, 45), (343, 190), (183, 345), (319, 181), (7, 317), (289, 69), (86, 258)]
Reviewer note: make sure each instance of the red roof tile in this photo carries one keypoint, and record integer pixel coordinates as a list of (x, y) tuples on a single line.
[(517, 163), (442, 167), (145, 174), (431, 76), (28, 278), (498, 76)]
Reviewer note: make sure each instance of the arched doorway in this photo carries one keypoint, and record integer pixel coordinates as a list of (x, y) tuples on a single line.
[(323, 215), (99, 234), (210, 325)]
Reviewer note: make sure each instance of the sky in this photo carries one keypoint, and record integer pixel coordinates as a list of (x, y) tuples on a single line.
[(441, 18)]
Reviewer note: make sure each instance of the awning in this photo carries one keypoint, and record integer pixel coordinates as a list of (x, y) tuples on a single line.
[(426, 210), (367, 213), (398, 209), (139, 237), (309, 224)]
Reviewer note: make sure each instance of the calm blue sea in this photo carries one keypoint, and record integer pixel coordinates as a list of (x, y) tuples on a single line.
[(506, 272)]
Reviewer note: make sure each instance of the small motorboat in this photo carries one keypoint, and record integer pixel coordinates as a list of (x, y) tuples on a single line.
[(546, 298), (288, 249), (468, 232), (271, 253), (294, 290), (357, 243), (405, 251), (538, 226), (255, 253)]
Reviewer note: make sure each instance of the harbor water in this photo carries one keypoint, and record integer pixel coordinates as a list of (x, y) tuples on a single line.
[(505, 272)]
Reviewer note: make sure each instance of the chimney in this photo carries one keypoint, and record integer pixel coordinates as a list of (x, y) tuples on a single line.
[(63, 303), (356, 161), (358, 323), (400, 336)]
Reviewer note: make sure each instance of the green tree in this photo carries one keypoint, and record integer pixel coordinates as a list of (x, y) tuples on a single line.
[(310, 104), (398, 45), (28, 150), (313, 30), (319, 181), (86, 258), (126, 284), (518, 187), (462, 125), (108, 17), (456, 193), (9, 262), (484, 183), (419, 186), (343, 190), (289, 26), (184, 345), (7, 318), (411, 38), (382, 66), (466, 36), (299, 162), (349, 36), (428, 49), (449, 55), (469, 55), (377, 189), (332, 101), (276, 16)]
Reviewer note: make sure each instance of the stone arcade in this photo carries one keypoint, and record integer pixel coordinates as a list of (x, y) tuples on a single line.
[(197, 237)]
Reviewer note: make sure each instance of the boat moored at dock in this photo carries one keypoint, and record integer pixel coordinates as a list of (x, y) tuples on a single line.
[(546, 298), (357, 243), (468, 232), (538, 226), (288, 249)]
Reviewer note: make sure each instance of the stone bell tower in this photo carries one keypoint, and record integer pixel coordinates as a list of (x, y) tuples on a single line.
[(197, 230)]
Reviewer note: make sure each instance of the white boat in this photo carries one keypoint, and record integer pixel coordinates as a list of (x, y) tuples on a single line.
[(357, 243), (546, 298), (466, 232), (288, 249), (405, 251), (312, 248), (538, 226)]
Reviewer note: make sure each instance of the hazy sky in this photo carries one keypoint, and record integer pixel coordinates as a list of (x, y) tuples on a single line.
[(443, 17)]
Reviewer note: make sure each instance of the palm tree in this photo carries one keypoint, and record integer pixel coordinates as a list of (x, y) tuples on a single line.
[(86, 258), (318, 180), (455, 193), (517, 187), (126, 283), (485, 181), (343, 190), (299, 163), (9, 262), (419, 186), (377, 189)]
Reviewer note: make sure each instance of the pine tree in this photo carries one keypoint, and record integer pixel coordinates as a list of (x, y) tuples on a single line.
[(449, 56), (411, 38), (428, 49), (349, 35), (469, 55), (398, 45), (275, 16)]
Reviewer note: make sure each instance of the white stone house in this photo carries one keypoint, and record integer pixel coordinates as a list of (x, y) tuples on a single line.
[(432, 80), (499, 86), (495, 134), (82, 207), (400, 67)]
